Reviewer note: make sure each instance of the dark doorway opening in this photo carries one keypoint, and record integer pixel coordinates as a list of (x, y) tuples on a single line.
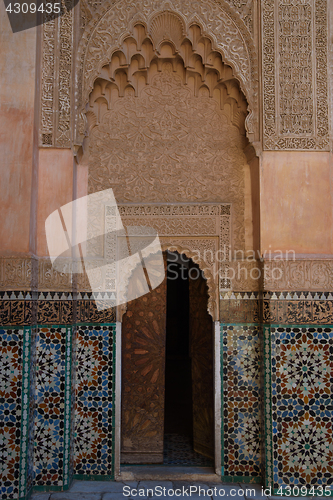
[(167, 414), (178, 384), (178, 412)]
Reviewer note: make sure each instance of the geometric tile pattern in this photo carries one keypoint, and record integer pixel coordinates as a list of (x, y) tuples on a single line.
[(301, 371), (52, 406), (94, 412), (72, 404), (241, 417), (11, 352)]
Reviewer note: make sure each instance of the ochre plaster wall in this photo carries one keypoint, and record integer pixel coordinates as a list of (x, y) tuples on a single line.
[(55, 188), (17, 108), (296, 202)]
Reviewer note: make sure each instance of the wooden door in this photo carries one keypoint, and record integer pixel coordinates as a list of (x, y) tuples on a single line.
[(143, 366), (201, 331)]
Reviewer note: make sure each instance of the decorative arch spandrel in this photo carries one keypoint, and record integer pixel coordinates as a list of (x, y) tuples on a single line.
[(109, 25)]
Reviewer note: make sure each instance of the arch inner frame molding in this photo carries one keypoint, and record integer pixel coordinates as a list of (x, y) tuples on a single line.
[(200, 232), (176, 245), (105, 33)]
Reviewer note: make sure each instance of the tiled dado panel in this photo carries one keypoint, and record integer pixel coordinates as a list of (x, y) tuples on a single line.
[(53, 406), (241, 417), (298, 406), (15, 410), (94, 413)]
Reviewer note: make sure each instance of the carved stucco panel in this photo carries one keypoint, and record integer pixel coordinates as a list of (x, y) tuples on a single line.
[(244, 8), (168, 146), (208, 245), (106, 29), (308, 275), (56, 80), (295, 76)]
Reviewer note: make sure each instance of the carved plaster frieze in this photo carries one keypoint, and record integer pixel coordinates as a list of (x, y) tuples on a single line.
[(295, 77), (246, 275), (49, 279), (229, 22), (204, 229), (308, 275), (244, 8), (18, 273)]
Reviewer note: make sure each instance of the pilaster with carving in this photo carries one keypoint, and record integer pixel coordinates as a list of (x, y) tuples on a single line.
[(295, 75), (56, 80)]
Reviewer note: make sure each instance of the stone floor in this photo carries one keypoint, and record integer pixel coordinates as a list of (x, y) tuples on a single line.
[(135, 490)]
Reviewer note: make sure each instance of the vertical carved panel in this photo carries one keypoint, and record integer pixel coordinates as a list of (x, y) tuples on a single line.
[(143, 362), (295, 74), (63, 132), (296, 98), (47, 87), (56, 79), (202, 367)]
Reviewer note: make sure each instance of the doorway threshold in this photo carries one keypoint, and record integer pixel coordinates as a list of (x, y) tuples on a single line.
[(167, 473)]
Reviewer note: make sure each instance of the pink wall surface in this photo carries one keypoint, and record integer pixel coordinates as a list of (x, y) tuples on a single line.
[(296, 202), (55, 188), (17, 108)]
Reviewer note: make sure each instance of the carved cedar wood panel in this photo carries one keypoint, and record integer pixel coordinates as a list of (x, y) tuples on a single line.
[(143, 366), (201, 328)]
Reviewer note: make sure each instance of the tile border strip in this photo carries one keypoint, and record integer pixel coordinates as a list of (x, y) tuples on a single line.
[(67, 410), (109, 296), (114, 375), (25, 395), (268, 407), (286, 295), (222, 399)]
